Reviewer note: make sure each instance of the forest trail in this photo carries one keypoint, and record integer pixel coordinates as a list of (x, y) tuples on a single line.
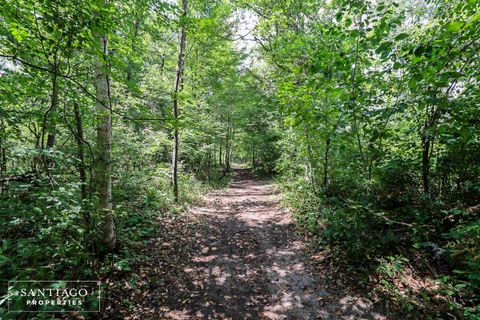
[(242, 259), (251, 263)]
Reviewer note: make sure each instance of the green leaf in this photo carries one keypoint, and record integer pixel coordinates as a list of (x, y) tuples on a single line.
[(17, 35), (454, 26), (348, 22), (401, 36), (475, 18), (339, 16), (412, 84)]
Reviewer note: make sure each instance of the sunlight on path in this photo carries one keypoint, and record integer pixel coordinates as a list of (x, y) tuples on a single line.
[(251, 265), (238, 256)]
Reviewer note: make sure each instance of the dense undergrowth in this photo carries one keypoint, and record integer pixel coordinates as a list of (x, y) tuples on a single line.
[(90, 129), (367, 110), (35, 216), (423, 267), (379, 139)]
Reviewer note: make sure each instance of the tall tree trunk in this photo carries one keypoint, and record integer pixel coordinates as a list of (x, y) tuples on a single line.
[(176, 90), (49, 124), (311, 161), (214, 155), (254, 162), (325, 166), (103, 161), (232, 140), (37, 160), (426, 163), (81, 153), (425, 138), (53, 108), (227, 150), (228, 141), (3, 148), (3, 159), (220, 153)]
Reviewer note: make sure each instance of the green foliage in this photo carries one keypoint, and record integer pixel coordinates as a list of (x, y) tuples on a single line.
[(48, 127), (55, 237), (367, 110), (464, 246), (305, 208), (379, 128)]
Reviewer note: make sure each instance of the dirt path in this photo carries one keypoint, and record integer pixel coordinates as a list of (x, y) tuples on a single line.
[(251, 262), (241, 260)]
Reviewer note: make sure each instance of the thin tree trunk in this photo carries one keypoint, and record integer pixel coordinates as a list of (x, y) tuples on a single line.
[(227, 151), (81, 153), (426, 164), (325, 166), (176, 90), (228, 141), (53, 108), (220, 152), (49, 124), (425, 138), (103, 162), (311, 162), (3, 148), (37, 160), (254, 162), (232, 140), (3, 160), (214, 155), (3, 157)]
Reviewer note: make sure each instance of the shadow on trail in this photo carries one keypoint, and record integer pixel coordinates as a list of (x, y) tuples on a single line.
[(246, 262)]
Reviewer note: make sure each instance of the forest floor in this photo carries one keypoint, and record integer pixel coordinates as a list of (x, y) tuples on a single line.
[(236, 256)]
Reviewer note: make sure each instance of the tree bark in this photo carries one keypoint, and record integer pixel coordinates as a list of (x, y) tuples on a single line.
[(49, 124), (227, 150), (3, 148), (311, 161), (228, 141), (53, 108), (254, 162), (176, 90), (220, 153), (325, 166), (425, 138), (81, 153), (103, 163), (426, 163), (3, 159)]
